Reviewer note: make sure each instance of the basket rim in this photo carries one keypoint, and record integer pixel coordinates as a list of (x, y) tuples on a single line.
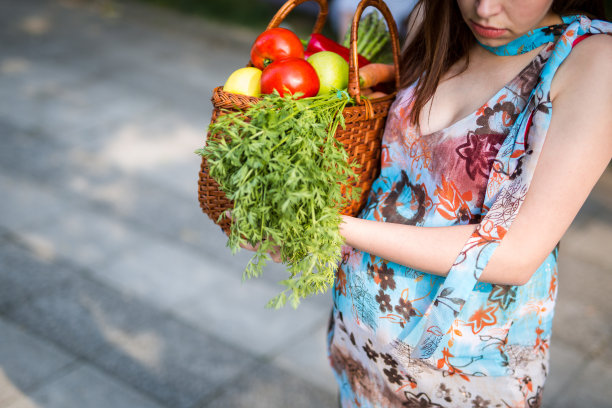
[(218, 92)]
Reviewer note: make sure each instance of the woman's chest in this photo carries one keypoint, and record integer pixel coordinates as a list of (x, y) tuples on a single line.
[(463, 91)]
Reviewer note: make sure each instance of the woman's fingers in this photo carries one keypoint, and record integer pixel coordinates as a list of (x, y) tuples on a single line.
[(249, 247), (274, 253)]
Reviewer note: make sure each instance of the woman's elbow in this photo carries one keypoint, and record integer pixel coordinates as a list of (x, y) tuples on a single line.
[(511, 270)]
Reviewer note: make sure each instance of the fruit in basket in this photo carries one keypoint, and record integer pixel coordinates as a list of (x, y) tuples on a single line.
[(245, 81), (331, 69), (290, 75), (275, 44)]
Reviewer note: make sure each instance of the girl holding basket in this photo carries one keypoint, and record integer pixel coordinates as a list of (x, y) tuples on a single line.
[(447, 287)]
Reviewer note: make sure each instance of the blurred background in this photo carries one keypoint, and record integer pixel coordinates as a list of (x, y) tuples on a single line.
[(115, 290)]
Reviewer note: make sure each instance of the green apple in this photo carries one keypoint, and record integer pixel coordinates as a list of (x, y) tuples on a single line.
[(245, 81), (332, 70)]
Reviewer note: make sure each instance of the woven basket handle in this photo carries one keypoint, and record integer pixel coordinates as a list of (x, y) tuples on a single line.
[(291, 4), (353, 88)]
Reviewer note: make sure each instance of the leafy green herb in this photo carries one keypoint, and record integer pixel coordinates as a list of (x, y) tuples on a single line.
[(281, 165)]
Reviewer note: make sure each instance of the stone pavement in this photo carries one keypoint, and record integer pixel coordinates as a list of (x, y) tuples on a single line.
[(116, 291)]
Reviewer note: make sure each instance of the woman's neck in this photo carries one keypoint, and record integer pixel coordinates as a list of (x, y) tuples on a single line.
[(550, 19)]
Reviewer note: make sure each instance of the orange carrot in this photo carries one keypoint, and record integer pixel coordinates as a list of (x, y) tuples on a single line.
[(366, 91), (376, 95), (374, 74)]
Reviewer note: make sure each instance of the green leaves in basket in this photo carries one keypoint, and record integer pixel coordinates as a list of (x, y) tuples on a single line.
[(281, 165)]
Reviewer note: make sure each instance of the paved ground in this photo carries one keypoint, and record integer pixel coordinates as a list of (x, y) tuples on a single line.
[(115, 291)]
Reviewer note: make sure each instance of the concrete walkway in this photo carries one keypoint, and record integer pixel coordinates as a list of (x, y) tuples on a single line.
[(116, 291)]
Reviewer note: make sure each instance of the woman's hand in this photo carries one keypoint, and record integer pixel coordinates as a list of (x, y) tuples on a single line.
[(274, 254)]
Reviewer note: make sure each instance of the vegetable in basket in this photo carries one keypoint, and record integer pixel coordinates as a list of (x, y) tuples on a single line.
[(275, 44), (290, 75), (318, 43), (282, 167), (374, 74), (373, 39)]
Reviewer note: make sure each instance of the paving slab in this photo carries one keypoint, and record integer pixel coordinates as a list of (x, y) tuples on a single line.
[(185, 44), (32, 156), (162, 273), (269, 386), (236, 312), (173, 363), (68, 315), (582, 313), (18, 155), (84, 237), (87, 387), (43, 29), (25, 80), (139, 203), (150, 206), (307, 359), (210, 295), (204, 52), (25, 274), (591, 242), (158, 146), (566, 365), (25, 204), (26, 362), (70, 108), (137, 343), (589, 389)]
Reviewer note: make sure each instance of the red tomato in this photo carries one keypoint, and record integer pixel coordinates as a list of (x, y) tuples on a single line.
[(292, 75), (275, 44)]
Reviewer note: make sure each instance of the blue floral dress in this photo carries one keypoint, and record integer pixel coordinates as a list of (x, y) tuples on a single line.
[(493, 349)]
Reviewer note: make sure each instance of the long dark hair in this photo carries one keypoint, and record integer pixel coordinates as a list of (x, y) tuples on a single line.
[(443, 38)]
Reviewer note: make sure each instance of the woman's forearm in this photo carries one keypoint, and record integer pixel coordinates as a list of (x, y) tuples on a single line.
[(428, 249)]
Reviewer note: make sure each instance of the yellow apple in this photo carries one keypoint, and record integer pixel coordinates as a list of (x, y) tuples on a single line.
[(245, 81)]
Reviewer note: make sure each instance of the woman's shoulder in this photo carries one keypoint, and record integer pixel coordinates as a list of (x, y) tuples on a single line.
[(593, 50), (587, 67)]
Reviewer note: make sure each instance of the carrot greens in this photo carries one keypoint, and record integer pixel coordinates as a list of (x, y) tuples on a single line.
[(281, 165)]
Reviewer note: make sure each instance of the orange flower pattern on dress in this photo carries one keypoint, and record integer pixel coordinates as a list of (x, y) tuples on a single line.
[(452, 204), (483, 317)]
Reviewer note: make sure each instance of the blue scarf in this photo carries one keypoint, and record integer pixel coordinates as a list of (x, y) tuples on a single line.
[(533, 39)]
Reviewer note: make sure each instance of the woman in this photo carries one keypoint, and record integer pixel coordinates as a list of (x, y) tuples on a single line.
[(454, 315)]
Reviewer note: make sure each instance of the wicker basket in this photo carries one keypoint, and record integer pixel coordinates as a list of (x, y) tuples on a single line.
[(364, 122)]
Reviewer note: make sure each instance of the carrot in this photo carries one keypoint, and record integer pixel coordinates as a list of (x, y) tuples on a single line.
[(376, 95), (373, 74)]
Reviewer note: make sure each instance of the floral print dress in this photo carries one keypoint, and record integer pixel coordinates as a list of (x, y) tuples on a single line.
[(495, 351)]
